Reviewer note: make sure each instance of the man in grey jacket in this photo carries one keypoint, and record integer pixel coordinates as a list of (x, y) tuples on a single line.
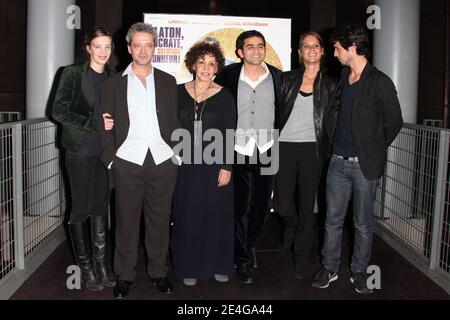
[(255, 85)]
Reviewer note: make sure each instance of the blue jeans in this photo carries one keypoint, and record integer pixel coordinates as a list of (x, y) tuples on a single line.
[(345, 180)]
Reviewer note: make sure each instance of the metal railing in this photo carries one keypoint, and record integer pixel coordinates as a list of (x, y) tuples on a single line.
[(413, 199), (32, 201), (10, 116)]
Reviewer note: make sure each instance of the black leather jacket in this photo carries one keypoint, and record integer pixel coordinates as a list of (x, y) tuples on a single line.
[(323, 88)]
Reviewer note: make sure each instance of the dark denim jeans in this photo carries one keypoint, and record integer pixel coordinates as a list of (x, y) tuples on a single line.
[(345, 180)]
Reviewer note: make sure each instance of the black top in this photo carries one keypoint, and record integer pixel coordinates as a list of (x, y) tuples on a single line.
[(343, 142), (305, 94), (90, 145), (219, 112)]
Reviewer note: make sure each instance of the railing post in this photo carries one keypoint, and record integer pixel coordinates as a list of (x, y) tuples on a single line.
[(439, 199), (18, 195), (62, 188), (383, 189)]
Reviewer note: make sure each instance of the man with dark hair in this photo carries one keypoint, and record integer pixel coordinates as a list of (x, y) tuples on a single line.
[(364, 118), (142, 101), (255, 86)]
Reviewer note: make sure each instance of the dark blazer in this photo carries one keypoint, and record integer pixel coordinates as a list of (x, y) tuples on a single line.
[(323, 88), (74, 106), (376, 118), (114, 101), (229, 77)]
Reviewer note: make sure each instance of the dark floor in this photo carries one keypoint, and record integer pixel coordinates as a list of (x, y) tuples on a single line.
[(274, 280)]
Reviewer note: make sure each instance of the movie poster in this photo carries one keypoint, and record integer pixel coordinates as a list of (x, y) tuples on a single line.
[(177, 33)]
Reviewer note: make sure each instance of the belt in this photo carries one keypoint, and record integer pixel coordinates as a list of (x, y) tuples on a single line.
[(354, 159)]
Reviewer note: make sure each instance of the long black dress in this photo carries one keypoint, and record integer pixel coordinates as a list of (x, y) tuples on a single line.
[(202, 240)]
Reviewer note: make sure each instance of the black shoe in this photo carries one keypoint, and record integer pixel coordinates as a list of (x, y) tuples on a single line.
[(299, 271), (288, 236), (243, 273), (323, 278), (298, 275), (121, 289), (359, 280), (163, 284)]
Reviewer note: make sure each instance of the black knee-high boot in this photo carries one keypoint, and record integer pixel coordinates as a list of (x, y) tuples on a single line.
[(98, 224), (80, 241)]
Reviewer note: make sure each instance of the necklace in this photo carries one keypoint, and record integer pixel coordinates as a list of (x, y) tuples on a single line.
[(197, 102), (198, 121)]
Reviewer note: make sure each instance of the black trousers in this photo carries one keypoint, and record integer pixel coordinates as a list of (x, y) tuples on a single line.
[(295, 192), (88, 187), (252, 199), (148, 188)]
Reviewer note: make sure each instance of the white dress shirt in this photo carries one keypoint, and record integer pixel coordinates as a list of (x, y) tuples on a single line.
[(144, 132), (252, 83)]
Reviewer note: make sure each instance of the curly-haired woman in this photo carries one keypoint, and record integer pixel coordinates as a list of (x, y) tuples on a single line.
[(202, 240)]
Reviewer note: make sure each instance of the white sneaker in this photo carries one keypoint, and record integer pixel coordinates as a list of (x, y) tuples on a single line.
[(221, 277), (190, 281)]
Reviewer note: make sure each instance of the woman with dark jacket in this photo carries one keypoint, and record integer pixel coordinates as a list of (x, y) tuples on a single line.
[(77, 109), (303, 147)]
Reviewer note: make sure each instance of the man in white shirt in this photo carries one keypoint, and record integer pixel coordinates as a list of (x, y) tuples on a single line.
[(255, 86), (142, 103)]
